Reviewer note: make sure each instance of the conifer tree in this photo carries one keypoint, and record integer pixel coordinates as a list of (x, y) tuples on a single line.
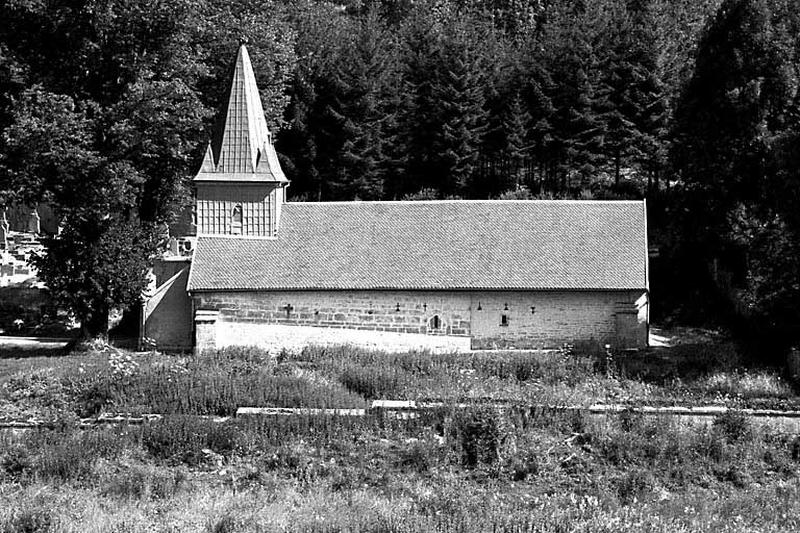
[(366, 79), (575, 145), (418, 117), (733, 103), (516, 124), (462, 117), (312, 138)]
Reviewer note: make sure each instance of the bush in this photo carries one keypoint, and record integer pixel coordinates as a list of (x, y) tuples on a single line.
[(183, 439), (524, 466), (231, 522), (144, 482), (519, 366), (481, 435), (735, 426), (36, 394), (15, 461), (35, 519), (419, 457), (249, 354), (372, 381), (220, 384), (633, 485), (64, 455)]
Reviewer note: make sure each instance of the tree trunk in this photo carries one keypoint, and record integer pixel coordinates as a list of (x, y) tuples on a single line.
[(96, 325)]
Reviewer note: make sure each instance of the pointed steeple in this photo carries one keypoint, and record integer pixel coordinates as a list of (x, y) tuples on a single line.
[(242, 149)]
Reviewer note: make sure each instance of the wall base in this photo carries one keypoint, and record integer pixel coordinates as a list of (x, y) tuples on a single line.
[(295, 338)]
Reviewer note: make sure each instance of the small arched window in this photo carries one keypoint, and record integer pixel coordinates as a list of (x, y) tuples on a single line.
[(236, 220), (435, 323)]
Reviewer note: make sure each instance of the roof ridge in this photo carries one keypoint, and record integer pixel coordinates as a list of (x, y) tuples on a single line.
[(494, 202)]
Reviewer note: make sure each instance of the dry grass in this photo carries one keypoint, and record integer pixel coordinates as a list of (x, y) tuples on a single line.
[(446, 503), (479, 469), (344, 377), (746, 384)]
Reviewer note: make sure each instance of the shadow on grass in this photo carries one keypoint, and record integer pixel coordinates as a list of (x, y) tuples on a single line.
[(712, 368), (28, 353), (687, 362)]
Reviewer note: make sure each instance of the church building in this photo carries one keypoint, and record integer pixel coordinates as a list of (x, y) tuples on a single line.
[(449, 275)]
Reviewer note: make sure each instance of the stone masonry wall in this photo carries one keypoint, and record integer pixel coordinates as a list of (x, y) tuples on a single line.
[(545, 319), (390, 311), (533, 319)]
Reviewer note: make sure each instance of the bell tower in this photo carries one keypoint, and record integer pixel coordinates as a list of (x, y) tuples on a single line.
[(240, 186)]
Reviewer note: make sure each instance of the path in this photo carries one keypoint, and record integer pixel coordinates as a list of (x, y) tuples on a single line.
[(33, 343)]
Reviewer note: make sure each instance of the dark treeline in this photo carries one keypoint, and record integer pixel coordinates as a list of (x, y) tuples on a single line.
[(477, 99), (106, 105)]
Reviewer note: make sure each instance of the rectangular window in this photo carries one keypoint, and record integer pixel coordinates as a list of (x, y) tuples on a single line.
[(503, 320)]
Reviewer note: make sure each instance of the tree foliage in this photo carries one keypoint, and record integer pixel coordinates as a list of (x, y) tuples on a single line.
[(103, 117), (105, 108), (734, 148)]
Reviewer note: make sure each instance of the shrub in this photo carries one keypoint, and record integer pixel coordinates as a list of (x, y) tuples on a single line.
[(143, 482), (66, 454), (746, 385), (183, 438), (735, 426), (524, 466), (220, 384), (519, 366), (712, 445), (372, 381), (480, 435), (33, 519), (15, 461), (248, 354), (35, 394), (735, 474), (633, 485), (229, 522), (419, 457)]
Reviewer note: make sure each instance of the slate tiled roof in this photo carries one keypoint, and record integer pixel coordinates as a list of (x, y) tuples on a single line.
[(456, 245), (242, 148)]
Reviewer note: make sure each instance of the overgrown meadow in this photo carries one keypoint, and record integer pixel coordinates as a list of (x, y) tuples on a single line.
[(488, 466)]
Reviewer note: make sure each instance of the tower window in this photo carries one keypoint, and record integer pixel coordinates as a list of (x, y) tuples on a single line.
[(236, 220)]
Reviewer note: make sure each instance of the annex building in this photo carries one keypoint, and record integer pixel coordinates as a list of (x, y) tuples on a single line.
[(439, 275)]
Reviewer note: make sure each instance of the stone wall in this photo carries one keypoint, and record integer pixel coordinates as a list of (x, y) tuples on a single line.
[(489, 319), (546, 319), (391, 311)]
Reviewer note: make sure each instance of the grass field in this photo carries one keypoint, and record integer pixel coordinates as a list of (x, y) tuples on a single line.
[(453, 470), (43, 385)]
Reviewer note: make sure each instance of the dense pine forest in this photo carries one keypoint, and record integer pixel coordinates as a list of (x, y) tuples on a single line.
[(105, 108)]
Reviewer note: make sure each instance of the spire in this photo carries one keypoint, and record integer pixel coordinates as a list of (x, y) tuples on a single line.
[(243, 145)]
